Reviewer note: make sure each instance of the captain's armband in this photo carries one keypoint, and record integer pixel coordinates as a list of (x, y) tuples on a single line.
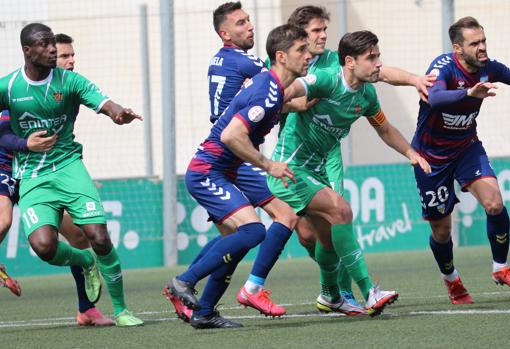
[(378, 119)]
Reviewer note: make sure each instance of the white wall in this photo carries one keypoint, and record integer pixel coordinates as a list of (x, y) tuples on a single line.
[(107, 49)]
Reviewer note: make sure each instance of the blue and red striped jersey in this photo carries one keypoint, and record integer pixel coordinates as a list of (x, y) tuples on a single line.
[(447, 126), (228, 70), (257, 105)]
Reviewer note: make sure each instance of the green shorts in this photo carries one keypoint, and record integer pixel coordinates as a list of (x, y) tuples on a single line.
[(335, 169), (43, 199), (298, 195)]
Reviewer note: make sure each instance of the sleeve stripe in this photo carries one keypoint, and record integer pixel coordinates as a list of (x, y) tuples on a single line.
[(240, 117), (305, 85), (98, 109)]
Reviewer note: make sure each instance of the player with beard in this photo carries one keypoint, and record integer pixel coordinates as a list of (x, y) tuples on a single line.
[(446, 136)]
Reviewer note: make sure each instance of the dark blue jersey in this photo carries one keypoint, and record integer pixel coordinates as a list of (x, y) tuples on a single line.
[(5, 155), (257, 105), (228, 70), (447, 126)]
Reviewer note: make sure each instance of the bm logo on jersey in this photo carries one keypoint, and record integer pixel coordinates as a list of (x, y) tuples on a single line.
[(458, 122)]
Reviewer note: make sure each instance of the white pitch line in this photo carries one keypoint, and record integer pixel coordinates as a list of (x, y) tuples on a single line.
[(64, 322), (71, 320)]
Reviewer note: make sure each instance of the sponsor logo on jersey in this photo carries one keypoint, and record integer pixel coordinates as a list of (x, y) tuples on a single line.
[(59, 96), (458, 122), (28, 121), (23, 99), (256, 113), (478, 173)]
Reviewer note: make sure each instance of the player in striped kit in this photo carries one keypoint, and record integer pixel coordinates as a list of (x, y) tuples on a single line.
[(446, 136), (229, 69), (212, 174)]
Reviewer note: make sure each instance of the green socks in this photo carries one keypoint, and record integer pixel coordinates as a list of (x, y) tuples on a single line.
[(347, 248), (328, 263), (109, 266), (344, 280), (68, 255)]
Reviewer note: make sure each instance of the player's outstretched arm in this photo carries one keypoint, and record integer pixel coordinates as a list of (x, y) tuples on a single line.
[(481, 90), (399, 77), (36, 142), (392, 137), (236, 137), (118, 113), (440, 96)]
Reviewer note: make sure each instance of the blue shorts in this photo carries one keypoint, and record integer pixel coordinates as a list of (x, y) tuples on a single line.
[(437, 191), (9, 186), (222, 195)]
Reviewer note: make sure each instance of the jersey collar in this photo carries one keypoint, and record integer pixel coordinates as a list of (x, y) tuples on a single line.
[(232, 46), (344, 82), (36, 83), (313, 61)]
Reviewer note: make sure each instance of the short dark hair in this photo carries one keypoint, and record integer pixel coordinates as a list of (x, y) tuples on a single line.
[(27, 33), (63, 39), (304, 14), (282, 38), (455, 30), (355, 43), (222, 11)]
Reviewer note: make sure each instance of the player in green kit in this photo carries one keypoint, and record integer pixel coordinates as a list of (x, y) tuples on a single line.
[(314, 20), (305, 144), (41, 96)]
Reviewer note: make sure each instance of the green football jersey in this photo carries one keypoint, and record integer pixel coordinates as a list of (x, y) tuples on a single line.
[(309, 136), (51, 104), (328, 59)]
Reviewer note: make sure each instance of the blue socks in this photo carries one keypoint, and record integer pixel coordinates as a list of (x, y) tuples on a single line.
[(497, 232), (225, 250), (443, 253), (205, 249), (83, 302), (269, 251), (215, 287)]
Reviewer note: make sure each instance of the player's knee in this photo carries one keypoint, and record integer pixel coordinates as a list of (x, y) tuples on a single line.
[(99, 239), (307, 241), (441, 232), (282, 213), (341, 212), (44, 247), (4, 228), (289, 220), (493, 207)]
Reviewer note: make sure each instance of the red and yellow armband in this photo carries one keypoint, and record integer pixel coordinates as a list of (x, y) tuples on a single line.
[(378, 119)]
